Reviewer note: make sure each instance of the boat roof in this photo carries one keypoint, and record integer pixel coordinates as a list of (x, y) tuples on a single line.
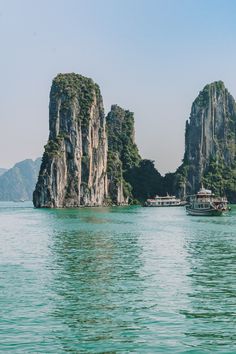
[(166, 197), (205, 193)]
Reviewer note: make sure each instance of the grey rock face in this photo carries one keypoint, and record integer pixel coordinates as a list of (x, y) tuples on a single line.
[(210, 134), (18, 182), (73, 170)]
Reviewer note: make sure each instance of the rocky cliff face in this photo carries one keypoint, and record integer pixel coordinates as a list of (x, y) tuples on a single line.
[(122, 153), (210, 140), (73, 170)]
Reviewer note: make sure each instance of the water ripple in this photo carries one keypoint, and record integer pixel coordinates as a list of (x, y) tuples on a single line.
[(108, 280)]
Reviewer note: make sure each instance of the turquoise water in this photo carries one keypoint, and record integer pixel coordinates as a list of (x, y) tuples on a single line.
[(116, 280)]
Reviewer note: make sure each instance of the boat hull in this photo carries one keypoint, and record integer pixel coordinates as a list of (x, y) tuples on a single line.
[(162, 206), (206, 212)]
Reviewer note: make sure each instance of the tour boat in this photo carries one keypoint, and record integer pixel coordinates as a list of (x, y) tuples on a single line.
[(167, 201), (206, 203)]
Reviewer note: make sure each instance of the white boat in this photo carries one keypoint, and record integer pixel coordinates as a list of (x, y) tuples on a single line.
[(167, 201), (205, 203)]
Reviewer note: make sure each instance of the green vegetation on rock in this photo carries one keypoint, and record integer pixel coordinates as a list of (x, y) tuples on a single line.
[(145, 180), (74, 89), (137, 178), (221, 179), (122, 152), (120, 129)]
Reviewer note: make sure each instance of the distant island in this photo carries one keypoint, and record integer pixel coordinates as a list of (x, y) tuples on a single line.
[(92, 159), (18, 183), (2, 170)]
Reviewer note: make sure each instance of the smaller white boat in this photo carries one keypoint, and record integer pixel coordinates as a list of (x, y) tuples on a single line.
[(205, 203), (167, 201)]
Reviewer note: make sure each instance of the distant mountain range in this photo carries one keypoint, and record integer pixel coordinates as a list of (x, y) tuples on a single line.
[(2, 170), (18, 182)]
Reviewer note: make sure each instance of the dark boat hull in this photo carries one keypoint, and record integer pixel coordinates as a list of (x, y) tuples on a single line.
[(204, 212)]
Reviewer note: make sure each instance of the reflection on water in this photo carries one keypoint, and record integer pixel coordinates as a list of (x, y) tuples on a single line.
[(98, 273), (146, 280), (212, 254)]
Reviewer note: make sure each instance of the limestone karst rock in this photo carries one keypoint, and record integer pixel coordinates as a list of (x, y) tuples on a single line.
[(74, 165), (210, 142), (122, 153), (93, 161)]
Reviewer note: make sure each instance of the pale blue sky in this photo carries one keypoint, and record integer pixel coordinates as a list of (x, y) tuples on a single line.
[(152, 57)]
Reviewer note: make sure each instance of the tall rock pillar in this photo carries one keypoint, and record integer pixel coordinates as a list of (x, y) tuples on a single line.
[(74, 165)]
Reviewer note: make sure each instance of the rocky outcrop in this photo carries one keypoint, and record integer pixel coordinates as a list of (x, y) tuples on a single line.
[(122, 153), (73, 170), (210, 141), (18, 182)]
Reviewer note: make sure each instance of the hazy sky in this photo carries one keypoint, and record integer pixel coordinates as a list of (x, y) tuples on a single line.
[(149, 56)]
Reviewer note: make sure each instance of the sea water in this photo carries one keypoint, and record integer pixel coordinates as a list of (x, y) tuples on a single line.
[(116, 280)]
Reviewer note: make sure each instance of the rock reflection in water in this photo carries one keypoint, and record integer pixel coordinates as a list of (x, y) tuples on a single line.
[(96, 274), (212, 316)]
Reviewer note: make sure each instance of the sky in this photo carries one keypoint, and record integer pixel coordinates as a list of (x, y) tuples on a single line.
[(149, 56)]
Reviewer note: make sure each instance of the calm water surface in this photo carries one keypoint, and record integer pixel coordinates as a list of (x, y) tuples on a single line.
[(116, 280)]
